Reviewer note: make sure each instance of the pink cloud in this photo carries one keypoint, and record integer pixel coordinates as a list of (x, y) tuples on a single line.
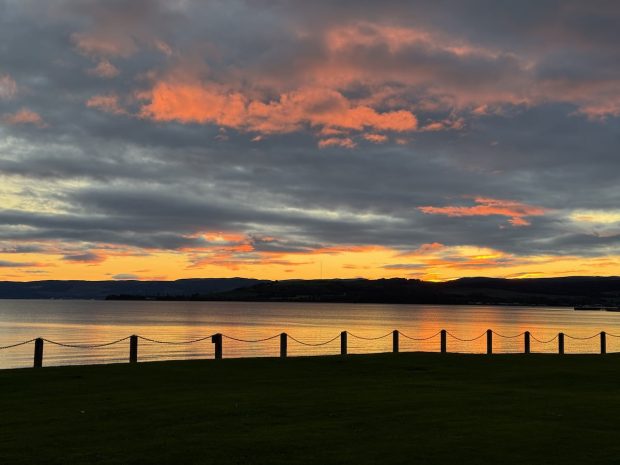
[(24, 116), (515, 211), (104, 44), (104, 69), (376, 138), (398, 65), (106, 103), (8, 87), (444, 125), (415, 57), (346, 142), (321, 108)]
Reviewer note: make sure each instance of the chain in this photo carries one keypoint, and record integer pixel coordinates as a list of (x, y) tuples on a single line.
[(465, 340), (509, 337), (544, 342), (173, 342), (251, 340), (18, 344), (313, 344), (420, 338), (582, 338), (369, 338), (86, 346)]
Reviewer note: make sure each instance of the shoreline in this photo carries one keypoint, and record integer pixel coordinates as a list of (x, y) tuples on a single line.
[(319, 358)]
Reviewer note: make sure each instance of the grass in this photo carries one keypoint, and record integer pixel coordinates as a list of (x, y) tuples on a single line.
[(372, 409)]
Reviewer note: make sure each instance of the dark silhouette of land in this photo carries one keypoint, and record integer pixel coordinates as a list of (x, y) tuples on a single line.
[(130, 289), (375, 409), (548, 291), (571, 291)]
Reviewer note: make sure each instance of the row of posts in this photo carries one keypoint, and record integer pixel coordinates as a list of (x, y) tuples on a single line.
[(216, 339)]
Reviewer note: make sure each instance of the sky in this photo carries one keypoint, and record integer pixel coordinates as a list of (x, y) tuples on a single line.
[(278, 139)]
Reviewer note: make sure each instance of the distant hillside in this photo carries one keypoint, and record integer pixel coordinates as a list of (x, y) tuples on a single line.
[(179, 289), (548, 291)]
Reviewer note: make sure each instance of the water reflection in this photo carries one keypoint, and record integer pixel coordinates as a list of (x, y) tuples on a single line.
[(91, 322)]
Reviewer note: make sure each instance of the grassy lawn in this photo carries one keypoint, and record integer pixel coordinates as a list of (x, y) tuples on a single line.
[(375, 409)]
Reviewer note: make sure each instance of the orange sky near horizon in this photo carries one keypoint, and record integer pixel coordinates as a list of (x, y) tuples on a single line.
[(433, 262)]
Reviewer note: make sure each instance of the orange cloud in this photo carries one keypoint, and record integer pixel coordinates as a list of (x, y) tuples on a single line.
[(366, 34), (376, 138), (231, 254), (346, 142), (444, 125), (106, 103), (319, 108), (343, 249), (330, 132), (194, 103), (516, 211), (224, 237), (24, 116)]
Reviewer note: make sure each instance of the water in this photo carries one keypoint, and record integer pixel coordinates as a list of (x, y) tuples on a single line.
[(92, 322)]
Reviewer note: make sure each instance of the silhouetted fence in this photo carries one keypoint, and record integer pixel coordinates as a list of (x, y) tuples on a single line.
[(218, 338)]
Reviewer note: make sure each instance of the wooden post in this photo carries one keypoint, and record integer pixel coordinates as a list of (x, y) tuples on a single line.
[(561, 343), (395, 341), (444, 337), (283, 345), (489, 341), (527, 342), (38, 352), (343, 343), (133, 349), (603, 342), (217, 340)]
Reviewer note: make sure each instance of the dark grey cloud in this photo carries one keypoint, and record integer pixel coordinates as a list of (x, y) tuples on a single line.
[(30, 248), (125, 276), (9, 264), (87, 257)]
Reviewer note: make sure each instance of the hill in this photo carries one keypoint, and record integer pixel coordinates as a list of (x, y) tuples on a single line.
[(570, 291), (547, 291), (129, 290)]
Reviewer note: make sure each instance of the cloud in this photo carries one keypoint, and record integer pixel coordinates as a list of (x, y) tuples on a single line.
[(24, 116), (169, 121), (8, 87), (104, 69), (87, 257), (20, 249), (345, 142), (515, 211), (308, 107), (376, 138), (596, 216), (92, 44), (125, 276), (107, 103), (9, 264)]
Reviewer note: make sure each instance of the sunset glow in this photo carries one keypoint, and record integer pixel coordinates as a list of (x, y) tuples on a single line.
[(146, 141)]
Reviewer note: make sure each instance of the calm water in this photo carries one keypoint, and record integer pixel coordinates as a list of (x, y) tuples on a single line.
[(92, 322)]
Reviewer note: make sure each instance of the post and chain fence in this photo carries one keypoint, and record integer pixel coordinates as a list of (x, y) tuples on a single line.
[(218, 338)]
